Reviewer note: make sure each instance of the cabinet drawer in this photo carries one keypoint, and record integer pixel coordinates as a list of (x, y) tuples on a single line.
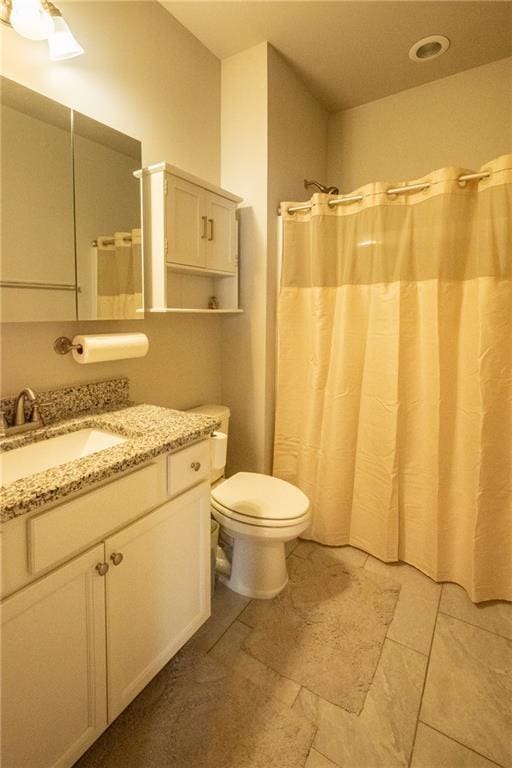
[(188, 467), (69, 528)]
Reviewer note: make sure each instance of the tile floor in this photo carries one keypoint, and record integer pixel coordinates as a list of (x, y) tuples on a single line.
[(441, 696)]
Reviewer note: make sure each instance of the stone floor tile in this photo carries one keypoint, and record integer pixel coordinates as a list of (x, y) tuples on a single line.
[(291, 546), (434, 750), (304, 548), (229, 653), (205, 716), (326, 629), (316, 760), (468, 693), (351, 556), (226, 607), (382, 735), (416, 610), (494, 615)]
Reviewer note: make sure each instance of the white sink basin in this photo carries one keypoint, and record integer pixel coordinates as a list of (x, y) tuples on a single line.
[(36, 457)]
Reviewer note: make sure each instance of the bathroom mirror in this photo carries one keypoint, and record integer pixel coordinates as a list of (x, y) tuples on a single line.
[(71, 244), (107, 213), (37, 262)]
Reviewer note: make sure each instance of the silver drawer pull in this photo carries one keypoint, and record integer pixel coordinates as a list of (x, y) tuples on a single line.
[(196, 466), (117, 557), (102, 568)]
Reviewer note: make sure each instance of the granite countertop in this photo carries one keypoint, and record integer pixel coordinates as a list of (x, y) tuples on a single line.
[(150, 429)]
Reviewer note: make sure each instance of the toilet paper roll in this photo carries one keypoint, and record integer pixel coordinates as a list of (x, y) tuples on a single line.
[(218, 447), (109, 346)]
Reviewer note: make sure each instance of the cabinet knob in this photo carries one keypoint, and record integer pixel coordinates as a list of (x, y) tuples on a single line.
[(102, 568), (196, 466), (204, 219), (211, 235), (117, 557)]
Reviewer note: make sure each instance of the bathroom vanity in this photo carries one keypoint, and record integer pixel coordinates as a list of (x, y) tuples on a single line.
[(105, 576)]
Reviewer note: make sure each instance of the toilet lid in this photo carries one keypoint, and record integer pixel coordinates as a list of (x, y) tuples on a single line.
[(260, 497)]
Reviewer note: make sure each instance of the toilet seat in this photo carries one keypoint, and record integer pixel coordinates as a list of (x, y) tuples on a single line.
[(260, 500)]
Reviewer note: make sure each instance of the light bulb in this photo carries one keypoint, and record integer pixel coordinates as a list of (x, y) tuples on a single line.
[(30, 20), (61, 42)]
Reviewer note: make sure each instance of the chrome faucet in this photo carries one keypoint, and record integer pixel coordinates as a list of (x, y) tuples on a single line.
[(20, 423)]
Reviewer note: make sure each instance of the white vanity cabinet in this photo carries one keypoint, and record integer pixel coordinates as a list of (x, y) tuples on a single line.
[(53, 666), (157, 596), (82, 638), (190, 242)]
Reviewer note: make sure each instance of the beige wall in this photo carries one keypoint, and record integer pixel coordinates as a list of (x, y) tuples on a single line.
[(273, 136), (461, 120), (142, 73), (172, 373), (244, 150), (297, 150), (145, 75)]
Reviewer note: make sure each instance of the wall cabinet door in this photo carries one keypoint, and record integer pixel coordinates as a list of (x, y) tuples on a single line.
[(221, 240), (159, 593), (53, 666), (186, 223), (201, 227)]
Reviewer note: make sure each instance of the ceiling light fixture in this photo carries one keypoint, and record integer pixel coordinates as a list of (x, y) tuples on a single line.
[(41, 20), (61, 41), (29, 19), (429, 48)]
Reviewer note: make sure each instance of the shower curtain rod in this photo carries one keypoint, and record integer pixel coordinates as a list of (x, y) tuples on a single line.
[(392, 191)]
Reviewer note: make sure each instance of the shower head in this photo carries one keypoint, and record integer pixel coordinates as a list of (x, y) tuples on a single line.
[(321, 187)]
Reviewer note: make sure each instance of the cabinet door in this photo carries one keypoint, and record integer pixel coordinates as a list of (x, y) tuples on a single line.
[(53, 666), (159, 594), (221, 253), (186, 223)]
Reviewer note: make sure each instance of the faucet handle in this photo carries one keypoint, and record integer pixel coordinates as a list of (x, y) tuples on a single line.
[(3, 422), (35, 416)]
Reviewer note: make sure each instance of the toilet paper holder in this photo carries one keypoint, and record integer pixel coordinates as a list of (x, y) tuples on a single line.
[(63, 345)]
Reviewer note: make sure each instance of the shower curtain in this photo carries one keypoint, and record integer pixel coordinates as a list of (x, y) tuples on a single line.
[(394, 392), (119, 276)]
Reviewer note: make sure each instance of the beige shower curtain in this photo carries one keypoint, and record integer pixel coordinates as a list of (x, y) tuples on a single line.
[(394, 397)]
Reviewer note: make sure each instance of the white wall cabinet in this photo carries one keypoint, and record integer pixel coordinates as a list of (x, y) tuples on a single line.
[(221, 234), (186, 223), (79, 642), (190, 242)]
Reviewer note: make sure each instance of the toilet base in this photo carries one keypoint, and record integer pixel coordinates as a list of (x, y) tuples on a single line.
[(258, 568)]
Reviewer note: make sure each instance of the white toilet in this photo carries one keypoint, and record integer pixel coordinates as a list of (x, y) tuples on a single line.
[(260, 513)]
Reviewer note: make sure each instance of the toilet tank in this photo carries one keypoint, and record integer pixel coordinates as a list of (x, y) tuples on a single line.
[(222, 413)]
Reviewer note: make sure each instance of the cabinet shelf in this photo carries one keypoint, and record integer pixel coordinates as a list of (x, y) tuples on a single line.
[(192, 310), (185, 269)]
